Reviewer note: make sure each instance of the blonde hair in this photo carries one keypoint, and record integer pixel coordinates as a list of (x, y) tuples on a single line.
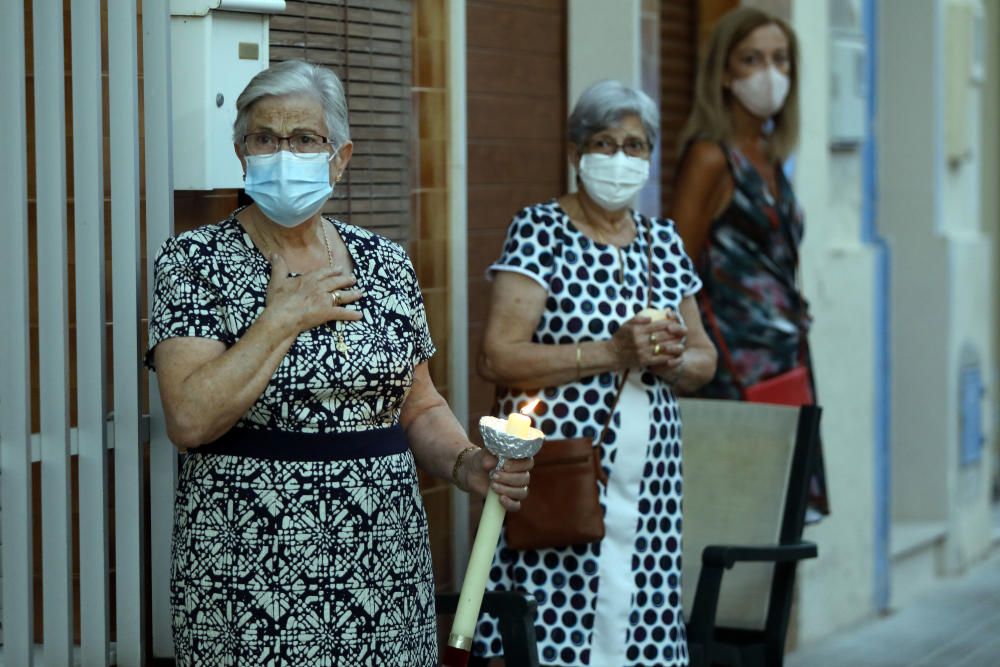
[(710, 117)]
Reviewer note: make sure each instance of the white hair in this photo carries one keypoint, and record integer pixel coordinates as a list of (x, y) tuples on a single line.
[(297, 77), (604, 104)]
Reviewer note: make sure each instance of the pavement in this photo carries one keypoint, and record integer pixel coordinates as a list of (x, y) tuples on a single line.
[(957, 624)]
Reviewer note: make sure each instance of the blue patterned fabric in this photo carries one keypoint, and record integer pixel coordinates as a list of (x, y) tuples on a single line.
[(289, 562), (211, 282)]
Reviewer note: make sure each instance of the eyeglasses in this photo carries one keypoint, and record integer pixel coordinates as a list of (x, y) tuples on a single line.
[(633, 146), (267, 143)]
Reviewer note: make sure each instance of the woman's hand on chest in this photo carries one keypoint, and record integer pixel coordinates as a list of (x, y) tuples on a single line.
[(301, 302)]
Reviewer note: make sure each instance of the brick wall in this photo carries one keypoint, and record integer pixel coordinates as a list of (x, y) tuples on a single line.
[(517, 112)]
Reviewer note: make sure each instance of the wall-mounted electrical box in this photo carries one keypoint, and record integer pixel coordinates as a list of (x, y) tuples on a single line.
[(217, 46), (847, 90), (964, 42)]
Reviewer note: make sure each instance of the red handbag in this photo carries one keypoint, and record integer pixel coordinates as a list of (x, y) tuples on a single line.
[(793, 387)]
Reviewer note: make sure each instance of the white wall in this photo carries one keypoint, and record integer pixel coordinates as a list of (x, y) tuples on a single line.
[(942, 267), (969, 517), (910, 192), (990, 194), (835, 590), (605, 41), (971, 258)]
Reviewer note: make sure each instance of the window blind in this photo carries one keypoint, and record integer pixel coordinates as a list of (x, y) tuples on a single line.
[(367, 43), (678, 66)]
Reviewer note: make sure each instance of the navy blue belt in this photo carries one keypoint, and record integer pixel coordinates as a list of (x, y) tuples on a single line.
[(291, 446)]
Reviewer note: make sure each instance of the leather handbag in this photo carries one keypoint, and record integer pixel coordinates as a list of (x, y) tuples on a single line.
[(563, 506)]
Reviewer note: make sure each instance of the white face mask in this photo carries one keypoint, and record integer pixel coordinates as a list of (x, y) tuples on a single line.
[(289, 189), (763, 93), (613, 180)]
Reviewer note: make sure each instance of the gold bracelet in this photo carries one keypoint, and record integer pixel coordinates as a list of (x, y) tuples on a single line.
[(458, 464), (578, 371)]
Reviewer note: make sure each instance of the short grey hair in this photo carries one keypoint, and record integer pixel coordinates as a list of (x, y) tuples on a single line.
[(604, 104), (297, 77)]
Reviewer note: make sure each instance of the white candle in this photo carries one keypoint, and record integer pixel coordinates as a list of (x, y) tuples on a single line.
[(519, 425), (481, 559)]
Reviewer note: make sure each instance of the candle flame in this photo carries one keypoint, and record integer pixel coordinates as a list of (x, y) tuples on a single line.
[(530, 407)]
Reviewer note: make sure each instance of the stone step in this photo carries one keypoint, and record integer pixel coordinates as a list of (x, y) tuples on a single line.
[(916, 549)]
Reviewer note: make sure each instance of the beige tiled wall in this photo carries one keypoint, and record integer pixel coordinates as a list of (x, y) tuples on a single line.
[(429, 236)]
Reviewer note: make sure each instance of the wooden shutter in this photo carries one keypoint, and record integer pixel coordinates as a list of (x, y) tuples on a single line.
[(678, 67), (367, 43)]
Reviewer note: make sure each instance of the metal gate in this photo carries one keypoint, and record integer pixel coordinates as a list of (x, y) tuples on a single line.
[(101, 426)]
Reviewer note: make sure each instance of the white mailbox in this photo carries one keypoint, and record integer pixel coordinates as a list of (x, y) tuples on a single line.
[(217, 46)]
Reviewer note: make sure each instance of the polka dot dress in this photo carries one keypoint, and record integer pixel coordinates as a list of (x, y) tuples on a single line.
[(640, 607)]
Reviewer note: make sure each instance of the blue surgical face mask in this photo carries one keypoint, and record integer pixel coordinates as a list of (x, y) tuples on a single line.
[(289, 189)]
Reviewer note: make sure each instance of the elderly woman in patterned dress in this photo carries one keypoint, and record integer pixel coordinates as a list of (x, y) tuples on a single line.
[(291, 352), (564, 326)]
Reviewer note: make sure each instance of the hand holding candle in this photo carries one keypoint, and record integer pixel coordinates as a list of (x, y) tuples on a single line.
[(654, 314), (647, 339), (658, 314), (510, 438)]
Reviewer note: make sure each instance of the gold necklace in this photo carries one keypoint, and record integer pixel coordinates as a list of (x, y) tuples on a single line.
[(341, 343), (603, 239)]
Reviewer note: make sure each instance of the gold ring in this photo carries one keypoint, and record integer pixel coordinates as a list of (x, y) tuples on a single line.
[(656, 349), (336, 298)]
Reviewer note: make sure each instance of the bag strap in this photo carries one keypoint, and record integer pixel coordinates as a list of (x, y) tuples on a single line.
[(614, 406), (646, 226), (624, 378), (720, 343), (805, 358), (727, 358)]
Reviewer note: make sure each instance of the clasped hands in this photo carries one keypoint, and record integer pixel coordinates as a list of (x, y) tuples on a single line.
[(641, 342)]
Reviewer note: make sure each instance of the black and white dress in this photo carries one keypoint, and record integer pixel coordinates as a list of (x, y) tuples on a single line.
[(616, 602), (300, 537)]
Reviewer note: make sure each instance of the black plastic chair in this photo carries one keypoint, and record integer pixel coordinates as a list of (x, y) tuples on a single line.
[(515, 614), (746, 479)]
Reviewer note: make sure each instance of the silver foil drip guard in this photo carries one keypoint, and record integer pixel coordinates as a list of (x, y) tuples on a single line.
[(505, 445)]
